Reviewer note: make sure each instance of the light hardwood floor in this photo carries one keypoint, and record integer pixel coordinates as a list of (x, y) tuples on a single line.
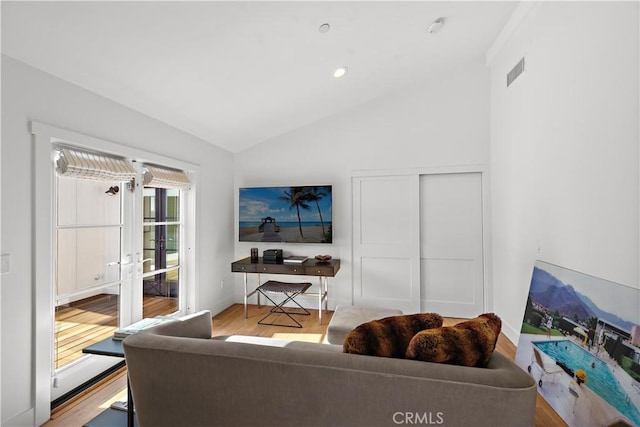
[(87, 321), (231, 321)]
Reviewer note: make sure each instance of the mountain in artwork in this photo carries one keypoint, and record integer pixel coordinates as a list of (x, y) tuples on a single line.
[(555, 295)]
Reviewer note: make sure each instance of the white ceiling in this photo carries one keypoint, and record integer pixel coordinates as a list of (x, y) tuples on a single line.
[(239, 73)]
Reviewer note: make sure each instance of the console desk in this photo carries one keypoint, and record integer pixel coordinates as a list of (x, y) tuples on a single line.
[(311, 267)]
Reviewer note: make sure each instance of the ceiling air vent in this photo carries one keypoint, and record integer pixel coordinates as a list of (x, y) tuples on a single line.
[(515, 72)]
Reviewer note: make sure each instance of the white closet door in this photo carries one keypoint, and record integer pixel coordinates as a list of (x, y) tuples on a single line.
[(387, 242), (451, 241)]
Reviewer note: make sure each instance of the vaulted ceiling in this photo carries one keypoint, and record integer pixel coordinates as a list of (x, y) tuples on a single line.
[(238, 73)]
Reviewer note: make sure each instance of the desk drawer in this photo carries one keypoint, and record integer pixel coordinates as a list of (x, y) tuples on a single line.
[(320, 270), (243, 268), (280, 269)]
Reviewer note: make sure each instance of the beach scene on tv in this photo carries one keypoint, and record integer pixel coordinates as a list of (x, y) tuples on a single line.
[(285, 214), (580, 341)]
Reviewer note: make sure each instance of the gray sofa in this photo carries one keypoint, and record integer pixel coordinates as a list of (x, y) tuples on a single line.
[(180, 376)]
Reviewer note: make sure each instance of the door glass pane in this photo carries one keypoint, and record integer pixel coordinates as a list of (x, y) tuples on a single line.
[(87, 285), (149, 204), (161, 251), (85, 321), (87, 257), (161, 205), (173, 204), (163, 285), (172, 245), (161, 247), (149, 249)]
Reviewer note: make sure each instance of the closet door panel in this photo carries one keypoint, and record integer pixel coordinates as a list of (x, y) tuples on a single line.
[(386, 242), (451, 242)]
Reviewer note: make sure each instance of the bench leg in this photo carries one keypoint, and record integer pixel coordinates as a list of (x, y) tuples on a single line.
[(279, 309)]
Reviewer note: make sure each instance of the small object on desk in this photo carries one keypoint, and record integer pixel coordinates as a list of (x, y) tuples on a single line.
[(140, 325), (295, 259), (254, 255), (272, 256), (121, 405), (323, 258)]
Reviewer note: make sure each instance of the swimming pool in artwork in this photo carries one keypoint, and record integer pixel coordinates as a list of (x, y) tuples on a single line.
[(599, 378)]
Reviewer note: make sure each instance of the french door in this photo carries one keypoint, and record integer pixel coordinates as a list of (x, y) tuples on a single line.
[(99, 284), (93, 243), (89, 262), (96, 234), (89, 246)]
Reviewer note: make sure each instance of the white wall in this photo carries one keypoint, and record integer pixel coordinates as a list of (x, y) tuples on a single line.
[(441, 122), (1, 273), (564, 148), (28, 94)]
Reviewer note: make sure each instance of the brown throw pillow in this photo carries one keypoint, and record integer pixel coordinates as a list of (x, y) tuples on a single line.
[(469, 343), (390, 336)]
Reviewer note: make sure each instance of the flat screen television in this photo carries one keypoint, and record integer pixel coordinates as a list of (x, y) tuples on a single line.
[(285, 214)]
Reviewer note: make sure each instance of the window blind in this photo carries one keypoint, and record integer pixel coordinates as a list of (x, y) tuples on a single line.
[(161, 177), (82, 165)]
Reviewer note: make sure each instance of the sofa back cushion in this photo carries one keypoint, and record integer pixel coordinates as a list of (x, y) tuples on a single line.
[(390, 336)]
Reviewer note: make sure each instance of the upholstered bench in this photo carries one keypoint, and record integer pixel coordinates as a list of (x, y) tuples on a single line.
[(347, 317)]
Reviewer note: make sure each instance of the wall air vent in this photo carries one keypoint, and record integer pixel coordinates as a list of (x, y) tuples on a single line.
[(515, 72)]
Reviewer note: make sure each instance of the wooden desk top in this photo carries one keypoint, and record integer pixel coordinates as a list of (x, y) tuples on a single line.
[(310, 267)]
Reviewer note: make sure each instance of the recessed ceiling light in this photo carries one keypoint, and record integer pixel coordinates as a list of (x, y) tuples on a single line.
[(435, 26), (324, 28), (340, 72)]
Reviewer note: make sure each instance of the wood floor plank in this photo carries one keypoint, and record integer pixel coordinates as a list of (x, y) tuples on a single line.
[(231, 321)]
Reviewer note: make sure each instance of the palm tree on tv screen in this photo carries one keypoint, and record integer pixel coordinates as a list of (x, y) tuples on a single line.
[(296, 197), (314, 194)]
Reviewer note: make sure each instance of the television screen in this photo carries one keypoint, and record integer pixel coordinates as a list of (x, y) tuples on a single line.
[(285, 214)]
